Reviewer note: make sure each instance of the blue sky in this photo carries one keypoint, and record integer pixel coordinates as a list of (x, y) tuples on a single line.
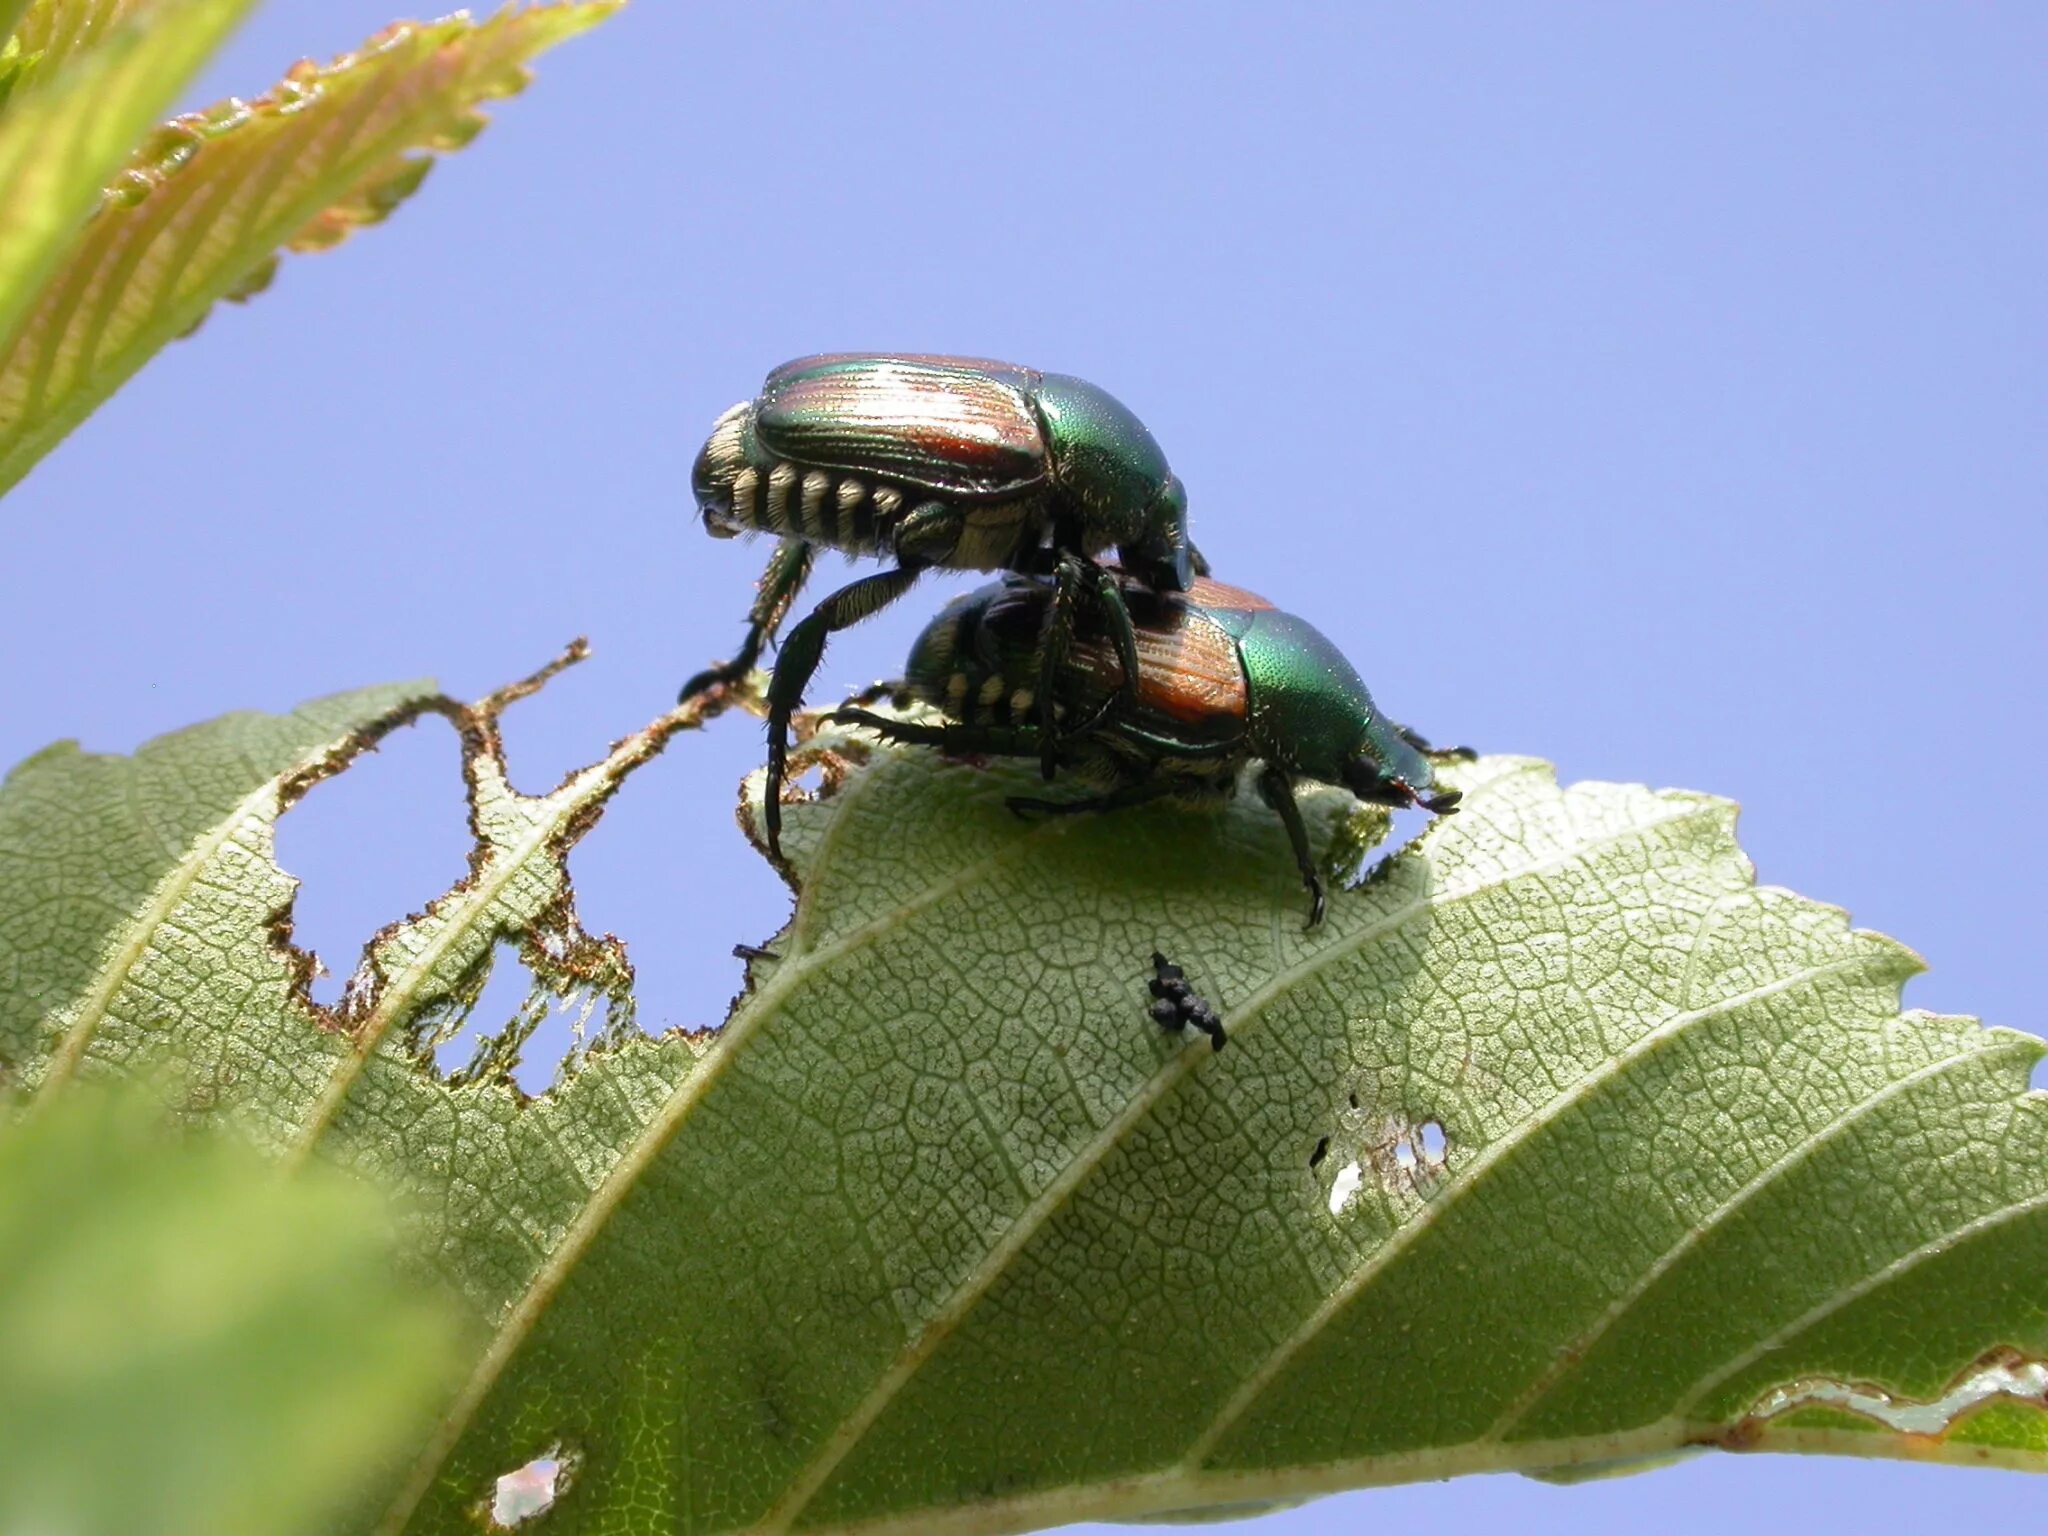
[(1659, 390)]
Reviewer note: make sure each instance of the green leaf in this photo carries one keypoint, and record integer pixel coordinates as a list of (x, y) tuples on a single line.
[(1560, 1147), (83, 82), (58, 31), (11, 46), (203, 208), (94, 849), (189, 1344)]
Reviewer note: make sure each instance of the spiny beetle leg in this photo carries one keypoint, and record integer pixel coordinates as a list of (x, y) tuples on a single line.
[(1115, 800), (1109, 598), (1073, 575), (801, 653), (1276, 787), (954, 740), (896, 692), (787, 570), (1053, 639)]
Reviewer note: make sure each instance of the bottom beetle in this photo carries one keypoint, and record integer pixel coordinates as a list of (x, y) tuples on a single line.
[(1224, 679)]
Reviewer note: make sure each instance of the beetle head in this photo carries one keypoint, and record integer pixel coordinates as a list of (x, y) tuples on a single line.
[(1161, 556), (1388, 770)]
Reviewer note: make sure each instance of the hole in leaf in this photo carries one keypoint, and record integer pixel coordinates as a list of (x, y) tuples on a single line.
[(517, 1026), (1394, 1153), (1344, 1186), (464, 1040), (649, 871), (526, 1491), (569, 1024), (1404, 826), (2004, 1373), (2038, 1078), (378, 840)]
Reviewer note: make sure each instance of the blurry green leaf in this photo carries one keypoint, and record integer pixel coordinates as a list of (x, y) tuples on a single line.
[(61, 30), (73, 114), (12, 49), (189, 1343), (205, 205), (1561, 1145)]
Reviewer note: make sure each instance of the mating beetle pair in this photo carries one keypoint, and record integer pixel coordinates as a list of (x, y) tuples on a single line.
[(955, 462), (969, 464), (1224, 679)]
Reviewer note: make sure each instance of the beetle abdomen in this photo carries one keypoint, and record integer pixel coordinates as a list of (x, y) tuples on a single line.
[(978, 661), (743, 490)]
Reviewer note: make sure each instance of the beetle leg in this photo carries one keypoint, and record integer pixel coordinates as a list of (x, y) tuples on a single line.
[(1111, 597), (1053, 636), (1276, 787), (1420, 743), (954, 740), (896, 691), (801, 653), (1117, 799), (777, 588), (1070, 575)]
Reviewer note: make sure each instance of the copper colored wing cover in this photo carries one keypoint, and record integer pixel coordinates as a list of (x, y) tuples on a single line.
[(1220, 594), (1188, 671), (956, 425)]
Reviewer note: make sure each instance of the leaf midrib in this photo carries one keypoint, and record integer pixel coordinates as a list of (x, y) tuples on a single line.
[(948, 1317), (760, 1008), (1493, 1156)]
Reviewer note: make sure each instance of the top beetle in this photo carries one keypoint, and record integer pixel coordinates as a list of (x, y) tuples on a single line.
[(956, 462)]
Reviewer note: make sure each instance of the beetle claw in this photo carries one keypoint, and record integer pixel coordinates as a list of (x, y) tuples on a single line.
[(722, 675)]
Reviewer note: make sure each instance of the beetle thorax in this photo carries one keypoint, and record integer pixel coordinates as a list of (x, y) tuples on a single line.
[(1105, 466), (1310, 711)]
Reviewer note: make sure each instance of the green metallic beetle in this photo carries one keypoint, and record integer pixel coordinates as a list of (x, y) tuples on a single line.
[(1224, 678), (955, 462)]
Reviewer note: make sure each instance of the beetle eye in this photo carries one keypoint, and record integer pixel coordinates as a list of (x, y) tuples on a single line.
[(1365, 780)]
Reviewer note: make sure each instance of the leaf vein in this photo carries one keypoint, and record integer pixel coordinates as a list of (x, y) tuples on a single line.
[(1792, 1158), (1054, 1196)]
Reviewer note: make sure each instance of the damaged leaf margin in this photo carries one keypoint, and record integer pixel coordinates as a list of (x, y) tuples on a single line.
[(417, 974), (175, 957), (552, 1262), (1425, 1163)]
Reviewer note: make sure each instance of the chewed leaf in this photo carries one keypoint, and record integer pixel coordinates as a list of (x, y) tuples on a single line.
[(82, 81), (95, 849), (1561, 1146), (202, 209)]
